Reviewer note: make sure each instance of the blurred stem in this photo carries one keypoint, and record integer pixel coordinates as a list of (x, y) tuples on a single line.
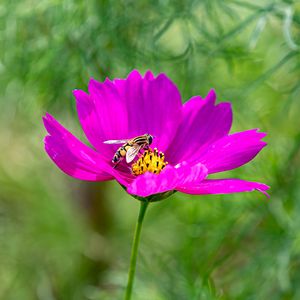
[(134, 249)]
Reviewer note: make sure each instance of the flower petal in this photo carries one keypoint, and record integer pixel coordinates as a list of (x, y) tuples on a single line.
[(91, 121), (224, 186), (103, 116), (171, 177), (71, 155), (111, 109), (233, 151), (125, 108), (202, 124), (153, 105)]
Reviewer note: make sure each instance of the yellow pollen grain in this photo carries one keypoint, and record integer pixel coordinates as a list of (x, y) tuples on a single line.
[(151, 161)]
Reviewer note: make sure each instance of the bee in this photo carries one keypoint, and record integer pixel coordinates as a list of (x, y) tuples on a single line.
[(130, 148)]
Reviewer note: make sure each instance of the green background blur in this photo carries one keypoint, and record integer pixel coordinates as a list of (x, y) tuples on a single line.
[(61, 238)]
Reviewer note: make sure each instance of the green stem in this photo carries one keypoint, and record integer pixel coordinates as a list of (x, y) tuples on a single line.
[(134, 249)]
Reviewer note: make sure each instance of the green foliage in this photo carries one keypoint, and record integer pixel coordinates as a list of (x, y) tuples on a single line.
[(65, 239)]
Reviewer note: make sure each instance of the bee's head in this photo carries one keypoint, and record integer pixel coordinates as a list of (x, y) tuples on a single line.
[(150, 139)]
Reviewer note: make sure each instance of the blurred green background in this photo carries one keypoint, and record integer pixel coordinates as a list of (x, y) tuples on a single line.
[(61, 238)]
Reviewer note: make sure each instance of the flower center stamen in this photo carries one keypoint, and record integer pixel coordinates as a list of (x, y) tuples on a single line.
[(151, 161)]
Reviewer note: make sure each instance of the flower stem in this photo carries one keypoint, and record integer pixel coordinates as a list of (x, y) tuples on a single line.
[(134, 249)]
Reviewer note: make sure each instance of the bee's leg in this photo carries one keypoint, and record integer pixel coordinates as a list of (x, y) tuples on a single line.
[(116, 164)]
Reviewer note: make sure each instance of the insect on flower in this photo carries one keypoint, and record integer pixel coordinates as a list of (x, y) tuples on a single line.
[(130, 147), (192, 140)]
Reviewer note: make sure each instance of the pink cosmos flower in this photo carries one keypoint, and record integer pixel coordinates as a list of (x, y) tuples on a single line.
[(194, 138)]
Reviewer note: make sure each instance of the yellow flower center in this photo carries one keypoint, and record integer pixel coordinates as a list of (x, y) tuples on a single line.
[(151, 161)]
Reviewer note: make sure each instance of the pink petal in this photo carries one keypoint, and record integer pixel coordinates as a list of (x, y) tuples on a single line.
[(168, 180), (125, 108), (111, 109), (233, 151), (203, 123), (90, 121), (71, 155), (153, 106), (103, 116), (223, 186)]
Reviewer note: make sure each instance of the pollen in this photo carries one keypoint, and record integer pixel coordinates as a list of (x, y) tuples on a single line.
[(151, 161)]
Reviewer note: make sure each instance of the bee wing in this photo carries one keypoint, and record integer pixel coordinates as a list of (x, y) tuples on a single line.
[(132, 153), (115, 141)]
